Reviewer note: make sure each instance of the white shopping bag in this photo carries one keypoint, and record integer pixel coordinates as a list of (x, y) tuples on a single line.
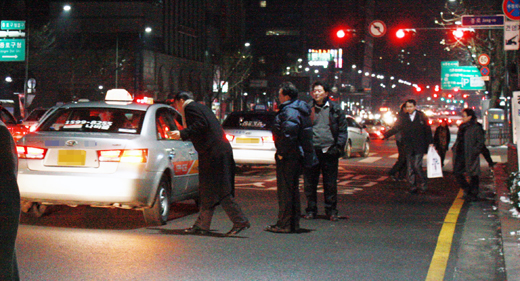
[(433, 162)]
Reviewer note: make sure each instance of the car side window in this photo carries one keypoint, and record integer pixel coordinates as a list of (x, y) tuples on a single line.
[(165, 122), (352, 123)]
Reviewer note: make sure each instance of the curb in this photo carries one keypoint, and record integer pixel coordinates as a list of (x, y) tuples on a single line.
[(510, 226)]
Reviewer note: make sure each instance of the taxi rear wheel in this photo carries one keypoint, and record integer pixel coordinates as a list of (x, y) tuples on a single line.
[(348, 150), (37, 210), (158, 213)]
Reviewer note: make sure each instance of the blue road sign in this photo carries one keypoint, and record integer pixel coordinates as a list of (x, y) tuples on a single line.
[(496, 20), (511, 9)]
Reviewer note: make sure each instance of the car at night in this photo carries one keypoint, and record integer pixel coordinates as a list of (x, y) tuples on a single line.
[(358, 139), (375, 128), (112, 153), (32, 119), (16, 129), (250, 136)]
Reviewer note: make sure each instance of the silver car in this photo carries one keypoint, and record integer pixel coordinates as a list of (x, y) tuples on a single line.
[(358, 139), (108, 154), (249, 133)]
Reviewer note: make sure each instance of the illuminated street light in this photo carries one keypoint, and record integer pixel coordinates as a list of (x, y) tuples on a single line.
[(67, 8), (148, 29)]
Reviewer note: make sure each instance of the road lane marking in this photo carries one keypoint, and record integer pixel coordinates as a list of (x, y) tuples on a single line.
[(442, 250), (394, 155), (370, 159)]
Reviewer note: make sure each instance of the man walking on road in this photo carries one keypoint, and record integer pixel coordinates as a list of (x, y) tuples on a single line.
[(217, 166), (292, 132), (416, 137), (330, 133)]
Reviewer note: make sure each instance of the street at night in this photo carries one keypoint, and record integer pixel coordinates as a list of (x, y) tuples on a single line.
[(384, 233)]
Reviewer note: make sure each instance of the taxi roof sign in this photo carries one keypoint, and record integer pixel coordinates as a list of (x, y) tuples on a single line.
[(118, 95)]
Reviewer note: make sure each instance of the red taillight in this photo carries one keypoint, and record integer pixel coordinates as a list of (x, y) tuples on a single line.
[(229, 137), (268, 139), (123, 155), (430, 122), (28, 152)]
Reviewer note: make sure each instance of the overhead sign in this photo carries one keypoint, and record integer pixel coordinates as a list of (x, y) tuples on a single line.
[(12, 25), (511, 36), (462, 77), (377, 28), (511, 9), (496, 20), (12, 49), (483, 59)]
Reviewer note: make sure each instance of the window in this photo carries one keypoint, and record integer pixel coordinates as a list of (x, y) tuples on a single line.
[(167, 120)]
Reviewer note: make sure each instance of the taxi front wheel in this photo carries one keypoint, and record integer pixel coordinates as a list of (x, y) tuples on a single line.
[(158, 213)]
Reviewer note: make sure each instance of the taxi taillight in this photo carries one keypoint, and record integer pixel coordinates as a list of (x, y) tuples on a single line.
[(229, 137), (123, 155), (268, 139), (29, 152)]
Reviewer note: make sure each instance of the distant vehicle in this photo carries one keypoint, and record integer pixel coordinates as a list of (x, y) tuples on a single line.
[(250, 136), (17, 130), (115, 153), (32, 119), (358, 139), (375, 128)]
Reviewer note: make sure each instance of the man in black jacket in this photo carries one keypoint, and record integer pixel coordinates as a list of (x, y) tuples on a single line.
[(9, 205), (216, 164), (416, 138), (330, 133), (292, 132)]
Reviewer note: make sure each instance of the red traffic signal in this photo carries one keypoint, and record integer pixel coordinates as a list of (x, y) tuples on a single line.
[(340, 34)]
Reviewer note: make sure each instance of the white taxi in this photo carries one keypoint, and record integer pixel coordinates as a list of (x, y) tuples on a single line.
[(115, 153)]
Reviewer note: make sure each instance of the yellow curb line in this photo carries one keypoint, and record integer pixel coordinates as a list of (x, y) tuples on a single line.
[(442, 250)]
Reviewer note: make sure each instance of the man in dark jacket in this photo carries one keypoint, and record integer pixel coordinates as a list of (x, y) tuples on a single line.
[(330, 133), (9, 205), (416, 135), (466, 149), (216, 164), (292, 132)]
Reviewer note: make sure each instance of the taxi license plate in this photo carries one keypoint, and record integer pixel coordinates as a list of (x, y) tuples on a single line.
[(72, 157), (248, 140)]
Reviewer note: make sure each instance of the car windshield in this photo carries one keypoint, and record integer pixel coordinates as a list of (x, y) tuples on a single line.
[(249, 120), (111, 120)]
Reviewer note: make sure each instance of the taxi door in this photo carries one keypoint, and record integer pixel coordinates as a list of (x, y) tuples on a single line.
[(179, 153)]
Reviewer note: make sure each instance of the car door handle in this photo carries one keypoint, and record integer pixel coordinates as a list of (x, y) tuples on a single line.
[(192, 152), (172, 153)]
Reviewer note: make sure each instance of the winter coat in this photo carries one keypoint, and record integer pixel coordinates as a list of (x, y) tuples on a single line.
[(9, 205), (216, 163), (470, 142), (292, 132), (338, 126), (416, 135), (441, 139)]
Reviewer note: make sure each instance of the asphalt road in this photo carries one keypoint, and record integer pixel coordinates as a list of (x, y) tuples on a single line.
[(386, 234)]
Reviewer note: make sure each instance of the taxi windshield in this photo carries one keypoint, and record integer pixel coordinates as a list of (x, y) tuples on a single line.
[(111, 120)]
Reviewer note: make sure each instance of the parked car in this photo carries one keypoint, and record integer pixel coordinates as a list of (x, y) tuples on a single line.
[(114, 153), (375, 128), (17, 130), (358, 139), (249, 133)]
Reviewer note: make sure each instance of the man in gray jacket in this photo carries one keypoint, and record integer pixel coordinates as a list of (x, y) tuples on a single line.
[(330, 134)]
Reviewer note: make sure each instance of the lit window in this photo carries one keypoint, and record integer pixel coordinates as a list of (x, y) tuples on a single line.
[(263, 4)]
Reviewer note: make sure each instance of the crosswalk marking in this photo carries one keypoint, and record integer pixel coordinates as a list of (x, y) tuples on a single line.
[(370, 159)]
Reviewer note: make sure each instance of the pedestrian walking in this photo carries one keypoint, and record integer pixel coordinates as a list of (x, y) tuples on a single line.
[(216, 164), (416, 137), (398, 170), (330, 133), (9, 205), (466, 149), (441, 139), (292, 132)]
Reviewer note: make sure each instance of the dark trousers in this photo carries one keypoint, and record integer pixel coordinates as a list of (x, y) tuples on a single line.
[(470, 188), (416, 176), (328, 166), (400, 164), (232, 209), (442, 153), (288, 172)]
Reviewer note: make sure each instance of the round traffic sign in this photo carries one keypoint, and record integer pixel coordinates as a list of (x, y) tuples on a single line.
[(484, 71), (377, 28), (484, 59), (511, 9)]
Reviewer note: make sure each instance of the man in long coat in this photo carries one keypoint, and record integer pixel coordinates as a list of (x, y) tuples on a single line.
[(416, 138), (9, 205), (216, 164), (466, 149)]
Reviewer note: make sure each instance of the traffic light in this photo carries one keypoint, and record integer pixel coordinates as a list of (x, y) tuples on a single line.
[(465, 96), (462, 34), (340, 34)]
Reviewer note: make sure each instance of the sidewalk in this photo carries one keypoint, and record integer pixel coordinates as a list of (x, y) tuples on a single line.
[(510, 226)]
